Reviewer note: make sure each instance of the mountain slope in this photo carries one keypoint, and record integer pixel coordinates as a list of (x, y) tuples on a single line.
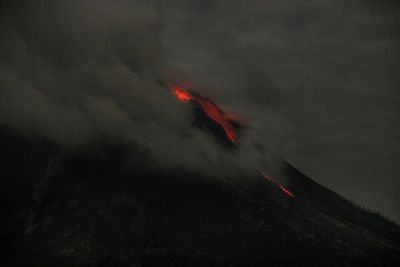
[(93, 209)]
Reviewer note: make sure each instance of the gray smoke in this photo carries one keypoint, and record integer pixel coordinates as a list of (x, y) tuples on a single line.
[(321, 78), (316, 80), (81, 71)]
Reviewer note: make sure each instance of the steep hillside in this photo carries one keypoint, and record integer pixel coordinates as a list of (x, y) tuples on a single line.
[(94, 209)]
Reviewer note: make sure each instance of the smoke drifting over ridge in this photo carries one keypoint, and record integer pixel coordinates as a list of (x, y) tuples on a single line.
[(81, 71), (317, 78)]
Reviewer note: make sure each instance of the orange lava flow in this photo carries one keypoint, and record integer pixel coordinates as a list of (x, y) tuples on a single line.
[(219, 117), (281, 187), (212, 111), (181, 94)]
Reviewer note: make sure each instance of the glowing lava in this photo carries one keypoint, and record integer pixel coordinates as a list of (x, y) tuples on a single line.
[(219, 117), (281, 187), (181, 94), (212, 111), (223, 119)]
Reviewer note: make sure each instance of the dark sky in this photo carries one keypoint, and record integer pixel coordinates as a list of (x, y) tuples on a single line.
[(317, 82), (324, 76)]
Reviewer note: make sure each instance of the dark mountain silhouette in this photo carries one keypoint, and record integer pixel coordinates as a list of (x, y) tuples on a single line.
[(108, 206)]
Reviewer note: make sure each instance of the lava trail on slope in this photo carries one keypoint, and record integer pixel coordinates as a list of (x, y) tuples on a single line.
[(213, 112), (281, 187)]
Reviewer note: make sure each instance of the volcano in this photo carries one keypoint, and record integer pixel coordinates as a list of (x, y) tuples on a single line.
[(98, 207)]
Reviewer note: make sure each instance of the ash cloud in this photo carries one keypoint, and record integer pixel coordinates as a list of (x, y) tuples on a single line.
[(78, 72), (316, 80), (319, 77)]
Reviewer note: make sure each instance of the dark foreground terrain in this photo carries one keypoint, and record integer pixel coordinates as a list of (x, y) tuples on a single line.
[(93, 209)]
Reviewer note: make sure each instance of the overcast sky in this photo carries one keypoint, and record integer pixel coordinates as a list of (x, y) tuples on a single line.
[(317, 81), (324, 76)]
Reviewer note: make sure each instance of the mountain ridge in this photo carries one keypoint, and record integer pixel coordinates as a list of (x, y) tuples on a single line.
[(93, 209)]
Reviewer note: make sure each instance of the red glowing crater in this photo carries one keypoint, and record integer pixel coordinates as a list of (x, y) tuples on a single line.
[(212, 111)]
